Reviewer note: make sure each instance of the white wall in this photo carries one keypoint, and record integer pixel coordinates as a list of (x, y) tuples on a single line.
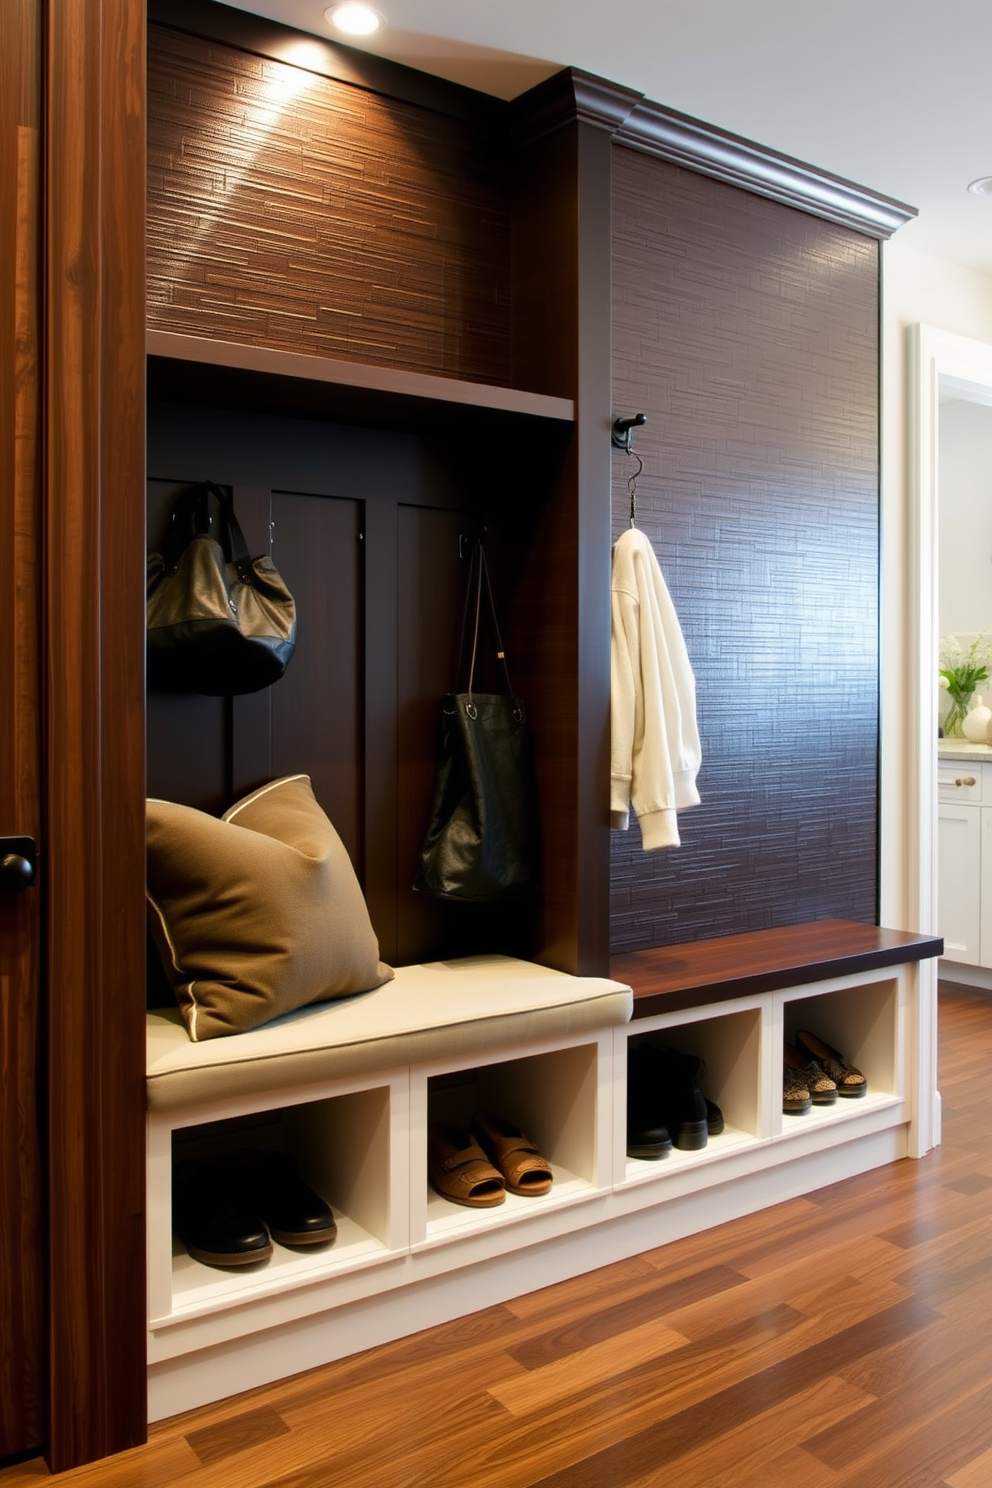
[(964, 483), (915, 288)]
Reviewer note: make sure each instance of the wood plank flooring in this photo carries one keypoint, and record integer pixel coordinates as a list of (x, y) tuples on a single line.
[(842, 1338)]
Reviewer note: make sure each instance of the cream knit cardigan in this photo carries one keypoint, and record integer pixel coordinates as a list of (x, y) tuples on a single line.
[(655, 753)]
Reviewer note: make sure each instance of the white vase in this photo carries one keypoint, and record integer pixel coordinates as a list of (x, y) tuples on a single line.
[(977, 721)]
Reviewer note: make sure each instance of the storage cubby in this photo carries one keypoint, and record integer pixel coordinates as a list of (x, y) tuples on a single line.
[(729, 1042), (864, 1023), (554, 1096), (343, 1145)]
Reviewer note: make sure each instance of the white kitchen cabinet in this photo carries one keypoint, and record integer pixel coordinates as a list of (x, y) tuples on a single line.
[(964, 853)]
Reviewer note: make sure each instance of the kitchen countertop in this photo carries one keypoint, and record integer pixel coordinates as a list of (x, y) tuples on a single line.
[(963, 749)]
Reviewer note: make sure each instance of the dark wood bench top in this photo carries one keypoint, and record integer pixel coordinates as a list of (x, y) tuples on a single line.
[(667, 978)]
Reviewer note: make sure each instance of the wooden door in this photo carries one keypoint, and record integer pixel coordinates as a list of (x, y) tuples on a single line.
[(22, 1352), (72, 1324)]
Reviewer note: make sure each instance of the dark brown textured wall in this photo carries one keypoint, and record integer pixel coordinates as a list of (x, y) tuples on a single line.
[(291, 210), (747, 332)]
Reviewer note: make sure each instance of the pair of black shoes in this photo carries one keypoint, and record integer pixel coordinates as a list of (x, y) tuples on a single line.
[(665, 1105), (228, 1213)]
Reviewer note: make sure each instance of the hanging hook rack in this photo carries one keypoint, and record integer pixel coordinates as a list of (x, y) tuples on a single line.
[(622, 431)]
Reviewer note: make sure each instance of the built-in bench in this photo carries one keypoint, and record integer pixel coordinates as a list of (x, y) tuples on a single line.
[(442, 1011), (349, 1088)]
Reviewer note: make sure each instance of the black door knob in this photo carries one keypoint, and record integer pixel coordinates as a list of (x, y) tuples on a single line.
[(17, 864)]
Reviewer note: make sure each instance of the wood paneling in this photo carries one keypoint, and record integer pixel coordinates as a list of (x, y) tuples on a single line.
[(288, 209), (94, 724), (22, 1341), (366, 533), (747, 332), (837, 1339)]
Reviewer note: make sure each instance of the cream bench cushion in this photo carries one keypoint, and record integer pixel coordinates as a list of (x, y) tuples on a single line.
[(433, 1013)]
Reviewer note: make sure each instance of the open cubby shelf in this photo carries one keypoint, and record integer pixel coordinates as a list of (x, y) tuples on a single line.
[(363, 1145)]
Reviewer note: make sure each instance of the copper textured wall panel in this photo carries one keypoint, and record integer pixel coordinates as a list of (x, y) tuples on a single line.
[(747, 332), (288, 209)]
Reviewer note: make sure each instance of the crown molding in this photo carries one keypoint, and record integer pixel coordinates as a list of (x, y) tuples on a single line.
[(701, 147), (572, 96)]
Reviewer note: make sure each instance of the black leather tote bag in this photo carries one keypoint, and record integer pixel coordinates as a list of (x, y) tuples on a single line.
[(482, 840), (218, 621)]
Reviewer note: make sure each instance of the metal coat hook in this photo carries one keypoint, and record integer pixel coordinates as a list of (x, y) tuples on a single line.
[(622, 431)]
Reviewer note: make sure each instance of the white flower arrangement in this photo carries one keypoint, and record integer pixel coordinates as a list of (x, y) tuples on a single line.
[(961, 671)]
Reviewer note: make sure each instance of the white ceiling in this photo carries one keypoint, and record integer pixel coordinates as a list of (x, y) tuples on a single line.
[(891, 94)]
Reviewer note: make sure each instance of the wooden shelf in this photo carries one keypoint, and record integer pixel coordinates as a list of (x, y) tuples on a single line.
[(667, 978), (193, 368)]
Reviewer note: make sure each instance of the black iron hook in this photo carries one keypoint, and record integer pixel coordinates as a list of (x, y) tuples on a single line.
[(621, 435)]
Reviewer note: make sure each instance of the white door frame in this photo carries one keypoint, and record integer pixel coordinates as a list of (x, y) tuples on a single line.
[(938, 359)]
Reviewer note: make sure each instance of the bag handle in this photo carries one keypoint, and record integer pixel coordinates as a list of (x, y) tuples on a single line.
[(480, 569), (191, 515)]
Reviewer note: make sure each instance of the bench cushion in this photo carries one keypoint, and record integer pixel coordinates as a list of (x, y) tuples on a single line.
[(434, 1013)]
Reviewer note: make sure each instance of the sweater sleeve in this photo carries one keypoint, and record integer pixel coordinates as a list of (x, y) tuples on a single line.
[(624, 710)]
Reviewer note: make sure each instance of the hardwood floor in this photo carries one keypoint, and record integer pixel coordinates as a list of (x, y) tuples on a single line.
[(841, 1338)]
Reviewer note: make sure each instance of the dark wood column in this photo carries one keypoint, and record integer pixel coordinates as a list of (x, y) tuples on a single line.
[(93, 738), (561, 326)]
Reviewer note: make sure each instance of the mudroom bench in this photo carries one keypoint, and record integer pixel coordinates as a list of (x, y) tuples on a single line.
[(348, 1087)]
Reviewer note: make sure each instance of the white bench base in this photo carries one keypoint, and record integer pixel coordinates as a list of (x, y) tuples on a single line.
[(406, 1259)]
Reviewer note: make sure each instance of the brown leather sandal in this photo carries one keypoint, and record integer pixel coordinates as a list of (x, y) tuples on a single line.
[(849, 1081), (458, 1169), (523, 1168)]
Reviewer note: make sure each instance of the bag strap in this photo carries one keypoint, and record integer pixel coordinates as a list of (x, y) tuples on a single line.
[(191, 516), (479, 570)]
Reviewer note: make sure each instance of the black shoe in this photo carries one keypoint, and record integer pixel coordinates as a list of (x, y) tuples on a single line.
[(676, 1077), (714, 1118), (647, 1135), (212, 1220), (271, 1185)]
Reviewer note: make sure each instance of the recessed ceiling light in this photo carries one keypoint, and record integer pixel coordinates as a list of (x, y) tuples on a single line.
[(981, 187), (354, 19)]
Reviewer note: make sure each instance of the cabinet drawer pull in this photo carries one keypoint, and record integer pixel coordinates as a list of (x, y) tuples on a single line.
[(961, 780)]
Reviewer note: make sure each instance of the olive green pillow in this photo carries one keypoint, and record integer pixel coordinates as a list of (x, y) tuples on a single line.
[(257, 913)]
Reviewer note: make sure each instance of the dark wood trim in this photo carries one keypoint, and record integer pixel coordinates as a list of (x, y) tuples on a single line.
[(94, 724), (636, 121), (561, 341), (182, 368), (22, 1331), (568, 96), (331, 59), (713, 152), (668, 978)]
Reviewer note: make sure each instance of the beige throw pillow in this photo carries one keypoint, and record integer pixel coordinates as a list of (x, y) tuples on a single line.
[(258, 913)]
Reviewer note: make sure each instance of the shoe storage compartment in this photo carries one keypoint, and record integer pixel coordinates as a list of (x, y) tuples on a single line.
[(728, 1039), (342, 1143), (863, 1020), (559, 1096)]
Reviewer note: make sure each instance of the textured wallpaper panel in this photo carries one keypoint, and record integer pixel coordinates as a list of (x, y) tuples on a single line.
[(747, 332), (289, 210)]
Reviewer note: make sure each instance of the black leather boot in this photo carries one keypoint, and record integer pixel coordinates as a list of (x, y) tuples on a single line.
[(682, 1103), (211, 1218), (271, 1185), (647, 1135)]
